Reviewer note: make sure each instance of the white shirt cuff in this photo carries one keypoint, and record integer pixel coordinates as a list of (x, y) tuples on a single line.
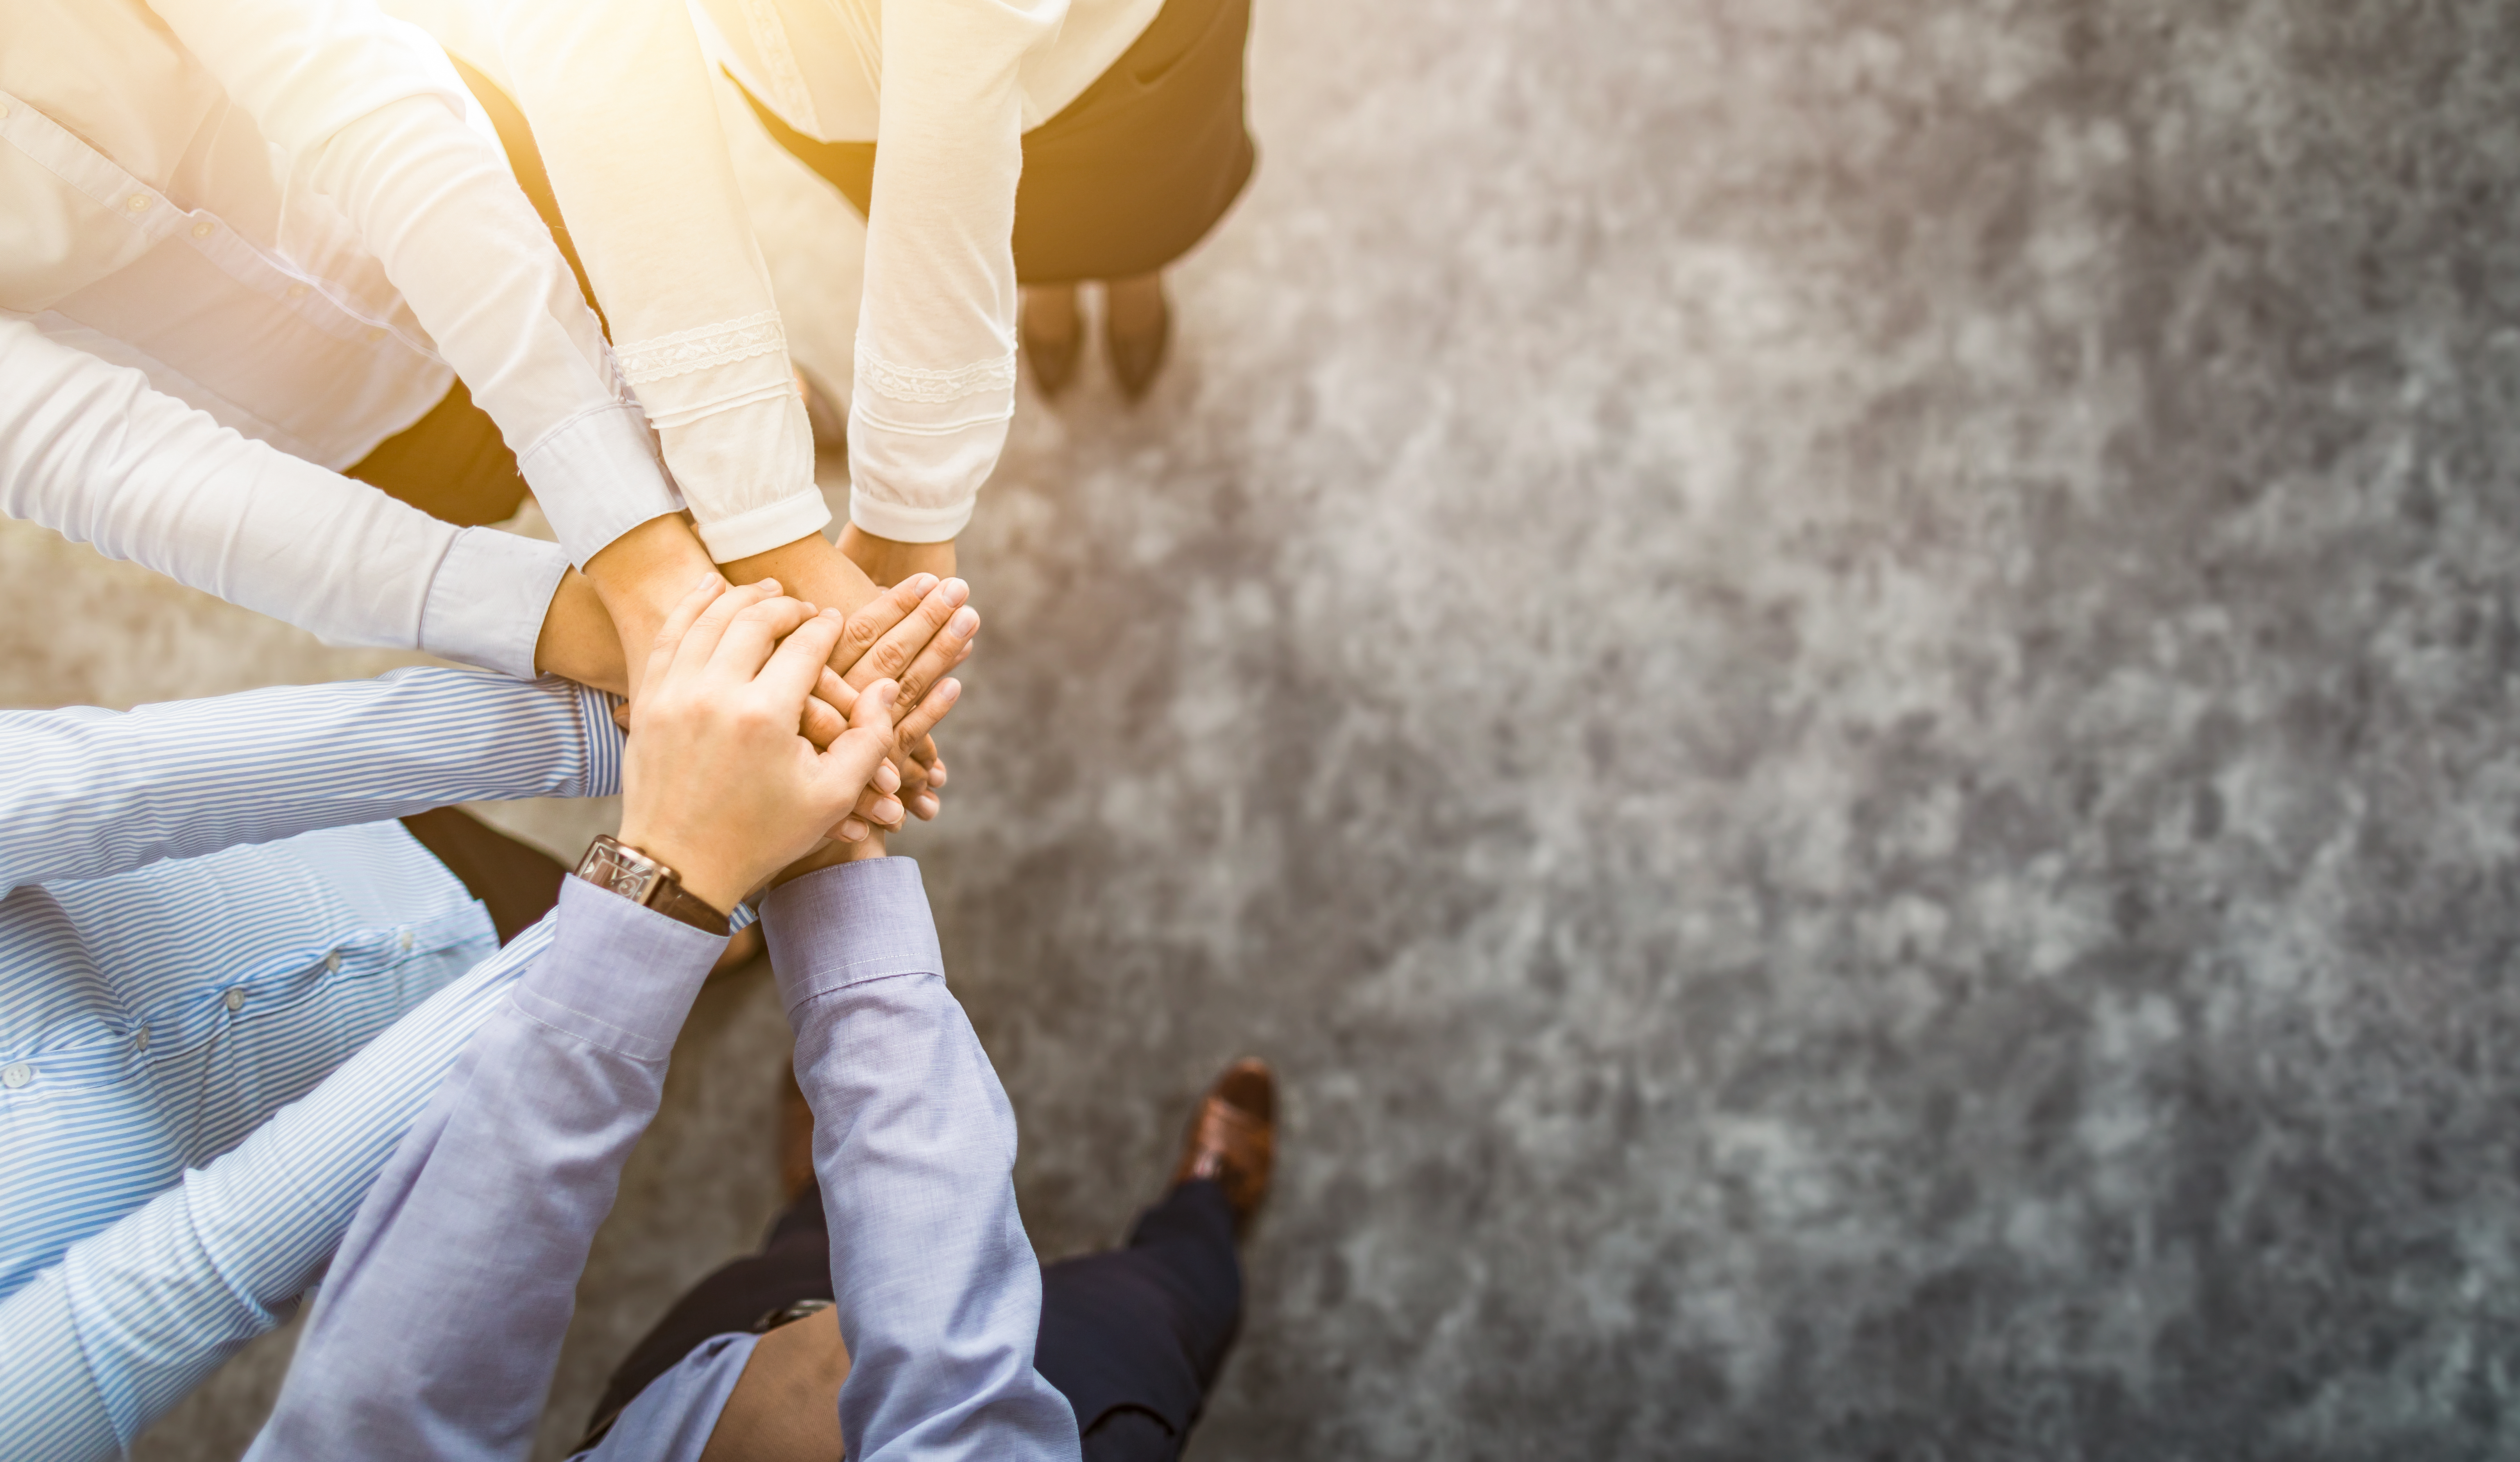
[(597, 477), (906, 524), (487, 600), (767, 527)]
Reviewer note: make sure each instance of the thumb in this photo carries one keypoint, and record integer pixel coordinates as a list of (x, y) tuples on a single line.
[(842, 771)]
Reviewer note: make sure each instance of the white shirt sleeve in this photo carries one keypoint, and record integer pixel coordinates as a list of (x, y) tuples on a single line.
[(936, 350), (619, 96), (372, 117), (621, 101), (89, 450)]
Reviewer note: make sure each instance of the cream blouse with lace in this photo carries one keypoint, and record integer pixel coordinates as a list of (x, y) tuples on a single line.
[(618, 93)]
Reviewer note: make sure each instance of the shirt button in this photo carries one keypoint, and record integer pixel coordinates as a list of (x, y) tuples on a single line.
[(16, 1074), (140, 1038), (297, 292), (4, 108), (204, 229), (138, 203), (406, 940), (333, 962), (234, 999)]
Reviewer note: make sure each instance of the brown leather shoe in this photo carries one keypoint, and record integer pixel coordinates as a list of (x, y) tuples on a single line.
[(1234, 1137)]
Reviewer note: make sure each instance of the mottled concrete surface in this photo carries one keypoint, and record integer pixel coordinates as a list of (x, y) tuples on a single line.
[(1835, 681)]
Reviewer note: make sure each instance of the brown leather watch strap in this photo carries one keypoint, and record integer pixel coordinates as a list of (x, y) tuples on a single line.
[(676, 901), (616, 867)]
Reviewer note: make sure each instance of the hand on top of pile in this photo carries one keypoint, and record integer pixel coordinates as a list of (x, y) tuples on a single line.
[(719, 782)]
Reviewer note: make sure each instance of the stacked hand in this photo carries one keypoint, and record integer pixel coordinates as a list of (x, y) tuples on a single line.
[(746, 751)]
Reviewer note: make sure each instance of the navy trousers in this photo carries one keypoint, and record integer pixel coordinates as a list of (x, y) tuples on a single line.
[(1133, 1336)]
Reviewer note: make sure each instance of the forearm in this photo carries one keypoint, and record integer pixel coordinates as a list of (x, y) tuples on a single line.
[(627, 118), (579, 640), (887, 561), (935, 1286), (810, 569), (135, 1316), (936, 376), (373, 118), (91, 451), (93, 792), (441, 1317)]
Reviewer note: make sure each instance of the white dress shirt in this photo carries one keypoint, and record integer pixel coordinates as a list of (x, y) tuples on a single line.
[(618, 93), (278, 214)]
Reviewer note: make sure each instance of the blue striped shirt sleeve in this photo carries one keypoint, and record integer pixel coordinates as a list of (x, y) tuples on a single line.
[(94, 792)]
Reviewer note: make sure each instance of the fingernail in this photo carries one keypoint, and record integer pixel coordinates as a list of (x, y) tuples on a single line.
[(853, 831), (964, 622), (957, 591), (771, 585), (831, 612)]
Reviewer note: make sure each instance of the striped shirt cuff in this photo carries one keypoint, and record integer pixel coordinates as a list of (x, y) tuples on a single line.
[(604, 741)]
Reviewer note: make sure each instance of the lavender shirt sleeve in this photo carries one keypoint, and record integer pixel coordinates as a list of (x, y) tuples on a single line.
[(937, 1290), (438, 1326)]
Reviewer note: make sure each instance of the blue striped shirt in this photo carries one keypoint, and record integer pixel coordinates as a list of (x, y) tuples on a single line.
[(208, 911)]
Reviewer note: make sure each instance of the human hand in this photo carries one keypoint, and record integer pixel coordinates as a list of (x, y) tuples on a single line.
[(639, 577), (915, 633), (718, 784)]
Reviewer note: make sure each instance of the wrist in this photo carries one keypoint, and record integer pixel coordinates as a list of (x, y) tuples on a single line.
[(644, 572), (810, 569), (579, 638), (714, 881), (889, 560)]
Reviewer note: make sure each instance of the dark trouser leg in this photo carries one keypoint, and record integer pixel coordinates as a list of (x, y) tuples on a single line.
[(1134, 1337), (518, 883), (794, 1263)]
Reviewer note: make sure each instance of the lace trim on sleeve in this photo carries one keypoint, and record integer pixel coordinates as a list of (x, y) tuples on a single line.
[(933, 388), (688, 350)]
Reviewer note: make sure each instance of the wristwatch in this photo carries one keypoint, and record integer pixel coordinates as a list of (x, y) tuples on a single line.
[(615, 867)]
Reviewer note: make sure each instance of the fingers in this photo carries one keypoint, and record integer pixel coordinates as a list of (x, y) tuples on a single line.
[(799, 661), (678, 623), (877, 805), (892, 655), (856, 753), (913, 728), (940, 655), (821, 723), (699, 641), (756, 630), (879, 614)]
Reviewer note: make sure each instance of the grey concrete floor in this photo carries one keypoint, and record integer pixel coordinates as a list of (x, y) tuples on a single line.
[(1835, 680)]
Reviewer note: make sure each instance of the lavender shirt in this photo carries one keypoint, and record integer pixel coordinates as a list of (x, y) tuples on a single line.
[(436, 1333)]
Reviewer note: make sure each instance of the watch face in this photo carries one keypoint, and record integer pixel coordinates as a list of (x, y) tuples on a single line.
[(608, 865), (629, 882)]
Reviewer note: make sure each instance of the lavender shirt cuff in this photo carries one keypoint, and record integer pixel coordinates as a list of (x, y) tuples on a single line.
[(639, 967), (846, 925)]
